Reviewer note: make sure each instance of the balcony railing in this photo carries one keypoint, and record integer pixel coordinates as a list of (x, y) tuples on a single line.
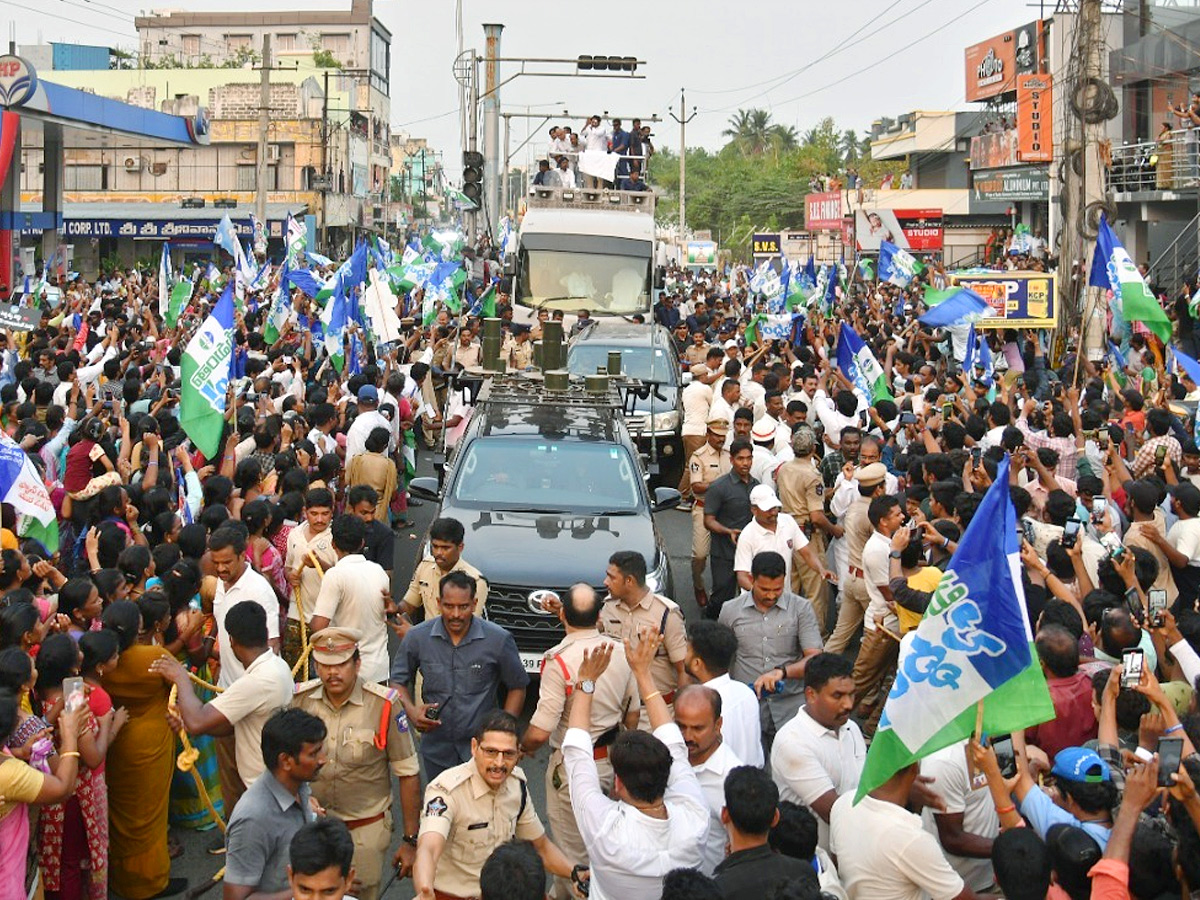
[(1167, 164)]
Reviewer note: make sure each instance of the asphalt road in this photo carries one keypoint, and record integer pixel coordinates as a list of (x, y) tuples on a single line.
[(198, 866)]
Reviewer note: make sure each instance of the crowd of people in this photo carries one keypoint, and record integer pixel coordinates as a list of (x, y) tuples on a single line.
[(215, 641), (632, 149)]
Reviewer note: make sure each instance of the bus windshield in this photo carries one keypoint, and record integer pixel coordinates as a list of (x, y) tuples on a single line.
[(605, 284)]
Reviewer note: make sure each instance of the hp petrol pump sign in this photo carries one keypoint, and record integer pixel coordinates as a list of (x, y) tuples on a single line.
[(18, 81)]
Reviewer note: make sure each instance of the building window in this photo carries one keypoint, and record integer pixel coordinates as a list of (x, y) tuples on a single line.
[(338, 45), (191, 45), (238, 42), (381, 61), (83, 178), (285, 43), (247, 178)]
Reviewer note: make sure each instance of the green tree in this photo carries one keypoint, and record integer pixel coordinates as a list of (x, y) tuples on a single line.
[(750, 131)]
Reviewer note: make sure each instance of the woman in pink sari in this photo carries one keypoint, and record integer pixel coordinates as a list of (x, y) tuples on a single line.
[(21, 785)]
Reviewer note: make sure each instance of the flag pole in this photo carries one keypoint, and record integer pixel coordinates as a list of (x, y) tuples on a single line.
[(979, 720)]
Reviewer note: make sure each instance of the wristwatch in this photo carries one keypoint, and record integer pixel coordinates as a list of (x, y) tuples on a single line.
[(410, 839), (894, 554), (587, 686)]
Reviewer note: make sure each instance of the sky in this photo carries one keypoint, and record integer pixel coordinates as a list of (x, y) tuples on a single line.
[(854, 60)]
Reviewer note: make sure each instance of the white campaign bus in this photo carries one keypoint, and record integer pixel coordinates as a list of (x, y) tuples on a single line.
[(585, 249)]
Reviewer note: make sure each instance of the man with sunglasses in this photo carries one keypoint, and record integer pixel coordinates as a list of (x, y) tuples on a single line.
[(473, 808)]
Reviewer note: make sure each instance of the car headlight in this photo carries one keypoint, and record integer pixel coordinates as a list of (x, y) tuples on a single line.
[(668, 421), (656, 579)]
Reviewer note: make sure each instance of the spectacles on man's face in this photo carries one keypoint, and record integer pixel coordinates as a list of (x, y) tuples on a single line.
[(496, 752)]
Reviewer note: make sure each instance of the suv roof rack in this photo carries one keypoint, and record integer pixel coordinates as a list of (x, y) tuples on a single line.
[(531, 390)]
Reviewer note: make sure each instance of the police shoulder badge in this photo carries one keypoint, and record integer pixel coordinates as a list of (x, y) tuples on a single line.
[(436, 807)]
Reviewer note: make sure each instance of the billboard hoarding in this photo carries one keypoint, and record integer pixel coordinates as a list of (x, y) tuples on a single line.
[(992, 66), (1018, 299), (1035, 116), (911, 229), (765, 244), (823, 211), (994, 150), (1011, 185), (701, 253)]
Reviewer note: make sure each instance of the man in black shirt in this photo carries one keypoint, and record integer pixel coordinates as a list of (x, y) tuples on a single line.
[(752, 867), (380, 543), (726, 513)]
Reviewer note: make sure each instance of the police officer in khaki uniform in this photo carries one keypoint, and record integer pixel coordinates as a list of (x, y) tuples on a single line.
[(520, 351), (706, 465), (368, 742), (615, 702), (446, 536), (871, 482), (632, 609), (473, 808), (802, 492)]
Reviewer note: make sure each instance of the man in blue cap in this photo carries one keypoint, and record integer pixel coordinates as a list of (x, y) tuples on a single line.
[(369, 418), (1083, 795)]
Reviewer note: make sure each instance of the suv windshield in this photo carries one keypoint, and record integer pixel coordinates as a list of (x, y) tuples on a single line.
[(598, 282), (645, 363), (545, 475)]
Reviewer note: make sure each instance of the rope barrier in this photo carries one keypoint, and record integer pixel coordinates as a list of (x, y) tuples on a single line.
[(186, 761), (305, 649)]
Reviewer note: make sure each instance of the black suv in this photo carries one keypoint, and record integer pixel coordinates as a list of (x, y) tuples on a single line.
[(548, 486), (647, 354)]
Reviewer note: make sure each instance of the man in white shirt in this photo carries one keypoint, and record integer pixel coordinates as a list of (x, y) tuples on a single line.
[(369, 418), (711, 649), (698, 715), (844, 409), (818, 756), (658, 819), (236, 582), (355, 594), (595, 136), (724, 404), (879, 652), (244, 707), (309, 541), (772, 530), (883, 852), (968, 825)]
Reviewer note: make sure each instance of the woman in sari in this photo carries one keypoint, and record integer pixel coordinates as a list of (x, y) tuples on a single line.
[(21, 785), (139, 767), (182, 586)]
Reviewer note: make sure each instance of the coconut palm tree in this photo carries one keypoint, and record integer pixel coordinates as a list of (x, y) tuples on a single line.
[(751, 131)]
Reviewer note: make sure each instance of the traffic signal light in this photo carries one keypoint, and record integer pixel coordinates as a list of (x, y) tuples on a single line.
[(607, 63), (473, 176)]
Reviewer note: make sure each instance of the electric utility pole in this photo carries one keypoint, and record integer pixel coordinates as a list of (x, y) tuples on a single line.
[(682, 159)]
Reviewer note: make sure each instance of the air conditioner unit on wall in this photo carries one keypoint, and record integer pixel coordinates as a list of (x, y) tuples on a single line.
[(133, 164)]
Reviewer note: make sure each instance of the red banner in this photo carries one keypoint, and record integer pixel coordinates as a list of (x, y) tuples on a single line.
[(1035, 113), (910, 229), (823, 211)]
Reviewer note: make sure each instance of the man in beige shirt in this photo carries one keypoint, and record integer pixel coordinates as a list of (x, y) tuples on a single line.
[(244, 707), (473, 808), (614, 701), (355, 594), (371, 742), (802, 493), (446, 536), (855, 600), (307, 542), (632, 608), (375, 469)]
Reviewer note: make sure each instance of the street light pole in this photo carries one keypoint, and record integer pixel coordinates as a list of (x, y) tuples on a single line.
[(682, 159)]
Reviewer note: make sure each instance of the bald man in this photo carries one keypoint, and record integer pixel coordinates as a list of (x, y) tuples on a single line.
[(698, 715)]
